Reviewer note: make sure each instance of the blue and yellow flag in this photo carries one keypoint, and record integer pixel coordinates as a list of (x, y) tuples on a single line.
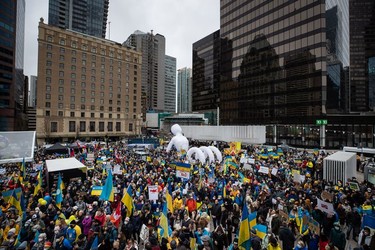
[(14, 201), (169, 201), (185, 167), (108, 193), (127, 199), (261, 230), (59, 190), (244, 233), (163, 223), (96, 190), (253, 219), (39, 186)]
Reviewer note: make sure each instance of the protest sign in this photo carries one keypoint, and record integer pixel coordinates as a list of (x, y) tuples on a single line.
[(251, 161), (153, 192), (247, 166), (325, 207), (314, 226), (274, 171), (263, 170), (326, 196), (117, 169), (354, 186)]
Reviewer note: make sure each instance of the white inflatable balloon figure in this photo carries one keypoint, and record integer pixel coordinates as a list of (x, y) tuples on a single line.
[(197, 153), (208, 154), (179, 141)]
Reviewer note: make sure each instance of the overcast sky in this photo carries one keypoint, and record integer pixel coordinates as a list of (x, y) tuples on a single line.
[(182, 22)]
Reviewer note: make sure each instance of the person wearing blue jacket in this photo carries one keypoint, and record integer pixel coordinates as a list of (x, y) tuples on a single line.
[(62, 243)]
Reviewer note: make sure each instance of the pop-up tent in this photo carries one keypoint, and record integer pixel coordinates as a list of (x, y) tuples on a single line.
[(57, 148), (70, 168), (17, 146)]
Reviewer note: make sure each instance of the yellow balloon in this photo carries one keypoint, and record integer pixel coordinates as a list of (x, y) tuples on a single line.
[(40, 200), (43, 202)]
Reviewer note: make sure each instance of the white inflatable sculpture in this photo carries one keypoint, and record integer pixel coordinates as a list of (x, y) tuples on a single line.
[(207, 153), (179, 141), (197, 153)]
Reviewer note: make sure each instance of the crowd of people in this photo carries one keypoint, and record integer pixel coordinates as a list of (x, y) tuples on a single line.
[(207, 209)]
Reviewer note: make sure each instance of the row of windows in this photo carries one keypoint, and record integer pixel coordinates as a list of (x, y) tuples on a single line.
[(91, 127), (93, 85), (93, 49)]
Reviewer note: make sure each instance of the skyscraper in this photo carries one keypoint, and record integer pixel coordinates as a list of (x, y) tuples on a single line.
[(32, 91), (362, 55), (184, 90), (153, 68), (274, 61), (85, 16), (12, 80), (170, 84), (206, 73)]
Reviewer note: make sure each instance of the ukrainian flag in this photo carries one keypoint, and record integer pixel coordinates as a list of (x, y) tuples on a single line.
[(15, 202), (39, 186), (59, 190), (185, 167), (244, 234), (163, 223), (253, 219), (107, 193), (169, 200), (127, 199), (261, 230), (96, 190), (23, 170)]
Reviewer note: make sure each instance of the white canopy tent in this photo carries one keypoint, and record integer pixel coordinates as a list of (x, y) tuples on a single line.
[(64, 164), (17, 146)]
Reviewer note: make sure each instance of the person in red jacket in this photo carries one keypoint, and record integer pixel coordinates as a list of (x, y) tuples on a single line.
[(191, 204), (100, 216)]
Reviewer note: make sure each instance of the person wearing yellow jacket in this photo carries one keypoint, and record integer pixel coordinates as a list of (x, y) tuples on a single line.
[(177, 203)]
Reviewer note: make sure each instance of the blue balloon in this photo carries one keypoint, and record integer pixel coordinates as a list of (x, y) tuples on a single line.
[(48, 199)]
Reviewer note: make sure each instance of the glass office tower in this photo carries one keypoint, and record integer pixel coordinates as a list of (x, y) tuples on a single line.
[(84, 16), (273, 65)]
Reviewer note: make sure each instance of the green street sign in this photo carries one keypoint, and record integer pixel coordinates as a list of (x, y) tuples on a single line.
[(321, 122)]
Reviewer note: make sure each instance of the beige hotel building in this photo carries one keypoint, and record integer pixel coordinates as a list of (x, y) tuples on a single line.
[(88, 87)]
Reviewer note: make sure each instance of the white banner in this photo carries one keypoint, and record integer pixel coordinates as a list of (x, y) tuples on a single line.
[(247, 166), (325, 207), (144, 233), (251, 161), (263, 170), (117, 169), (153, 193), (183, 174), (274, 171)]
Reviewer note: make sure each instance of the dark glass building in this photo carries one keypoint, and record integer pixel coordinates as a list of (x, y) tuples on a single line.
[(12, 80), (274, 62), (362, 54), (84, 16), (206, 73)]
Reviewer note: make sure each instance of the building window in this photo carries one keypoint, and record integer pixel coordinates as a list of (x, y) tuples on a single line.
[(48, 80), (62, 58), (72, 99), (72, 106), (83, 85), (61, 114), (82, 114), (62, 50), (83, 106), (101, 115), (49, 46), (83, 77), (92, 115), (48, 113), (74, 53), (61, 81), (118, 126), (92, 107), (49, 55), (72, 91), (101, 108), (61, 73), (110, 109), (110, 101), (72, 83), (118, 116), (48, 72), (82, 126), (92, 100), (110, 126), (101, 126), (83, 99), (53, 127), (92, 126), (48, 88), (72, 126), (118, 109), (48, 96), (61, 90), (48, 63), (73, 75), (72, 114), (61, 98), (48, 104), (62, 42), (61, 105), (130, 127), (110, 116)]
